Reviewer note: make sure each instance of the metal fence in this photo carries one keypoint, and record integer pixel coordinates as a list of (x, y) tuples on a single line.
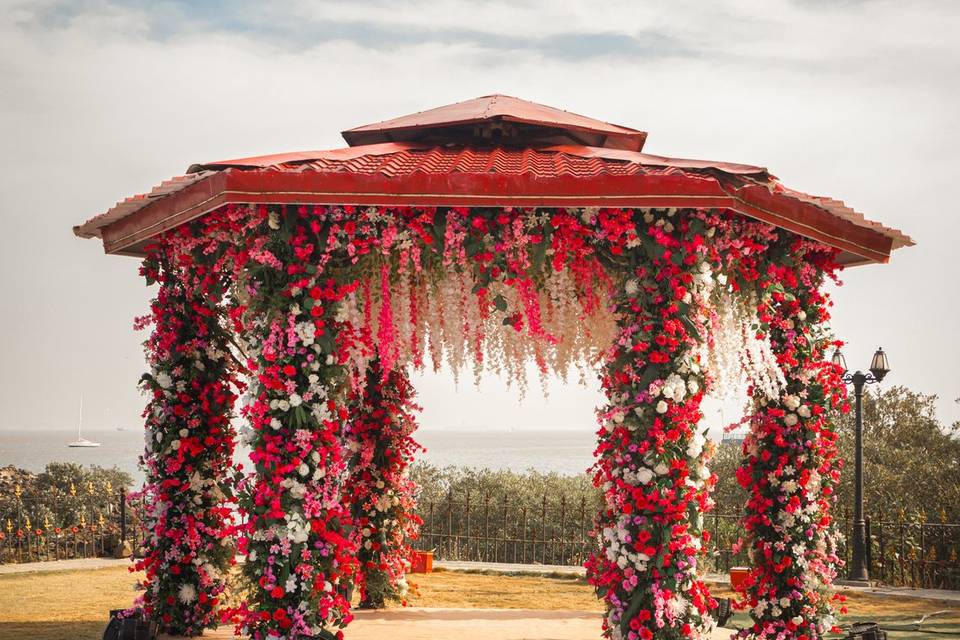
[(555, 531), (549, 531), (84, 522), (903, 551), (910, 552)]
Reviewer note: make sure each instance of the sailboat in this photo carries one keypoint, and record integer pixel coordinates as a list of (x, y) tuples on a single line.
[(81, 441)]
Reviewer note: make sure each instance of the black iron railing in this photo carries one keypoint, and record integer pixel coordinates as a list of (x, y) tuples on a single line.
[(86, 522), (910, 551), (549, 530), (554, 531)]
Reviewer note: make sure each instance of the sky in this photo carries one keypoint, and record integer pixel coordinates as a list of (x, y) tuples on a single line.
[(101, 100)]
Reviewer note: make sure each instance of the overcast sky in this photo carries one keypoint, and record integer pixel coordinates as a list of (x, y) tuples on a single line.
[(101, 100)]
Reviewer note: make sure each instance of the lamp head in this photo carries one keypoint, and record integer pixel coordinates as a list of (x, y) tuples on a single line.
[(839, 360), (879, 365)]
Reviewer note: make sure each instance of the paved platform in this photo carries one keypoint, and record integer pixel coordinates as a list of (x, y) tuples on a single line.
[(472, 624)]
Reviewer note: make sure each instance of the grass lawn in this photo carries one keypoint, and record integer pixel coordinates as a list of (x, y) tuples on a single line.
[(73, 605)]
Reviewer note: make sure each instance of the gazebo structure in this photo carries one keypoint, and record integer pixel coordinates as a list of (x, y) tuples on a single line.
[(491, 232)]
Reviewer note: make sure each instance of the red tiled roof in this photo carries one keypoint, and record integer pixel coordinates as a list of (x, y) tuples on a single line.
[(527, 172), (398, 159), (532, 121)]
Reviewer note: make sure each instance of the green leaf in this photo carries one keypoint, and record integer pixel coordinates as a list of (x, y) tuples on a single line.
[(691, 328), (540, 251), (500, 303)]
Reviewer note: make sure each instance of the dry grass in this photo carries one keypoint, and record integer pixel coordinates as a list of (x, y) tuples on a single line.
[(473, 590), (73, 605), (68, 605)]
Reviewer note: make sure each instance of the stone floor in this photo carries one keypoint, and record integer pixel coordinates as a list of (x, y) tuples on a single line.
[(472, 624)]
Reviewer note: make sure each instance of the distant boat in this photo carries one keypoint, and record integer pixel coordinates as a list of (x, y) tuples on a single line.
[(82, 442)]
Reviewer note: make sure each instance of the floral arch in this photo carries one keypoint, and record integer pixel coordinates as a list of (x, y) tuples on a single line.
[(488, 234)]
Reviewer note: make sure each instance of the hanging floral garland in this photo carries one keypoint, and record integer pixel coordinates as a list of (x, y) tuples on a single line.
[(651, 455), (791, 468), (189, 442), (382, 496), (297, 539)]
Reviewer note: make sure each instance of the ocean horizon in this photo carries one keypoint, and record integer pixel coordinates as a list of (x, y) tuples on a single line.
[(566, 452)]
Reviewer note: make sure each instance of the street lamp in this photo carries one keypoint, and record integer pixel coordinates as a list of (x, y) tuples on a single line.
[(879, 368)]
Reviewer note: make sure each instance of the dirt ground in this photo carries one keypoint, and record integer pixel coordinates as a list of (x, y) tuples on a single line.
[(73, 605)]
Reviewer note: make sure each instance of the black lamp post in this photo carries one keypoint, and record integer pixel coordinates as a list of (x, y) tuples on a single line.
[(879, 368)]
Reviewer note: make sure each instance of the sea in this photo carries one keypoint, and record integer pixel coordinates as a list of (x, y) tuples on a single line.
[(564, 452)]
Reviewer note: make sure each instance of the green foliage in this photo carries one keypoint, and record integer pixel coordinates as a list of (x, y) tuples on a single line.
[(436, 484), (911, 462)]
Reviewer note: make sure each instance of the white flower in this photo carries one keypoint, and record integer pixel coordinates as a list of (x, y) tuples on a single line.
[(283, 405), (164, 380), (678, 606), (791, 419), (632, 287), (661, 469), (661, 407), (295, 400), (303, 469), (804, 411), (275, 424), (791, 402), (297, 530), (644, 475), (383, 503), (187, 593), (273, 220), (696, 446)]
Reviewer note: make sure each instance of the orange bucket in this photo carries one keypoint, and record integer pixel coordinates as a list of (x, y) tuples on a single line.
[(422, 562), (737, 576)]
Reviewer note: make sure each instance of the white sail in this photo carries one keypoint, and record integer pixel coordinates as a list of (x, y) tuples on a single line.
[(81, 441)]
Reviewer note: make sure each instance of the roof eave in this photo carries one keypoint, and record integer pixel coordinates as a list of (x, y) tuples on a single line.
[(273, 186)]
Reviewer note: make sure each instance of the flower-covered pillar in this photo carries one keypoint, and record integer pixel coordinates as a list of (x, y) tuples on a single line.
[(189, 443), (381, 494), (790, 467), (297, 540), (652, 457)]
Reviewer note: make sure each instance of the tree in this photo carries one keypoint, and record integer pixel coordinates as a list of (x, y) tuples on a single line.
[(910, 461)]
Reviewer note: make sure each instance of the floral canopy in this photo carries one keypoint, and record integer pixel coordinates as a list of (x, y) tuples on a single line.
[(484, 234)]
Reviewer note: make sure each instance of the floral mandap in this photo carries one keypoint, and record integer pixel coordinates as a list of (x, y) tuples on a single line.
[(294, 293)]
